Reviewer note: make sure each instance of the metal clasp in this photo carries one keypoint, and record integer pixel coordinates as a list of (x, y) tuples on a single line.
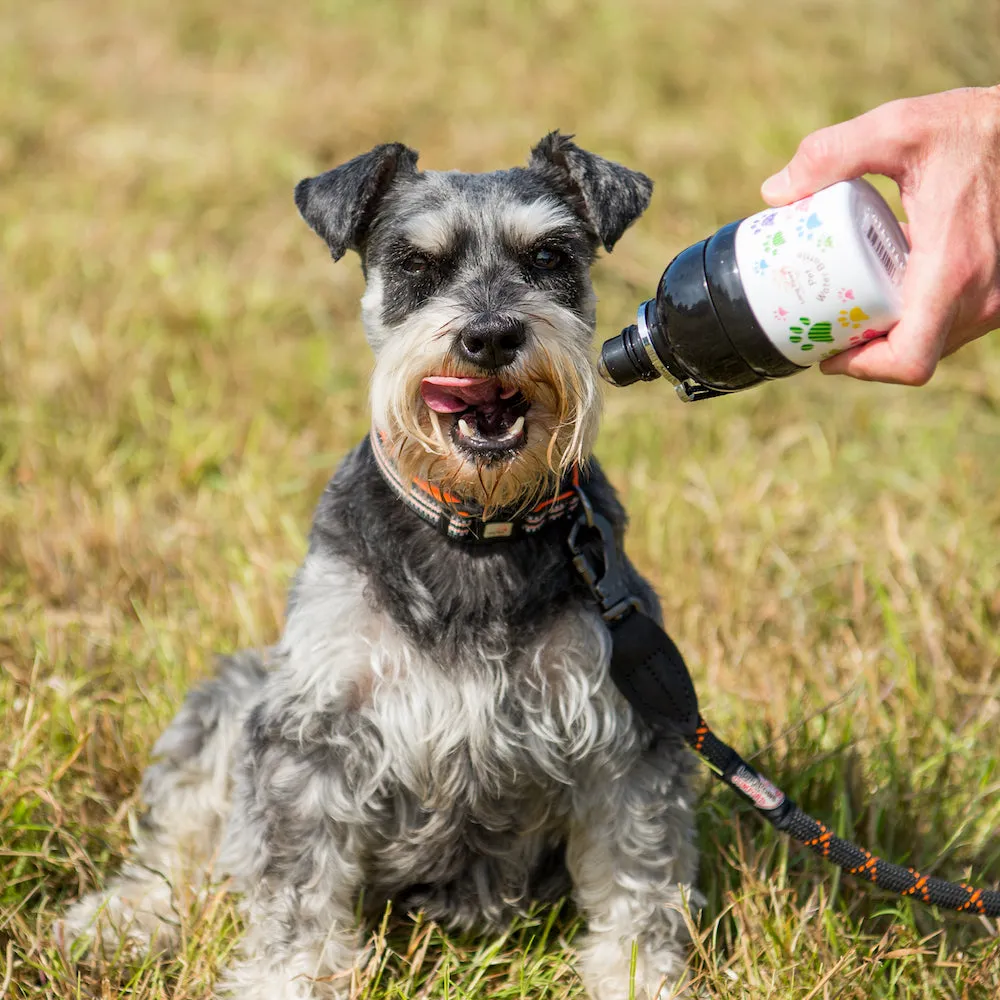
[(690, 391), (605, 581)]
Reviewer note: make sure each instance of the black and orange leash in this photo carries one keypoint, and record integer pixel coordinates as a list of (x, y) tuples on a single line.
[(651, 673)]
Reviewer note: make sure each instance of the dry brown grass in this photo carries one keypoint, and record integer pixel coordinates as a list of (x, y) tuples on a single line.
[(180, 367)]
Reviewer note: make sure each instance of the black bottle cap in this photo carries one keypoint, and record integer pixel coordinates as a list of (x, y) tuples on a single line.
[(687, 321)]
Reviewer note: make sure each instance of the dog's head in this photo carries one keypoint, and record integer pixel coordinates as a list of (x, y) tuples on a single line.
[(479, 307)]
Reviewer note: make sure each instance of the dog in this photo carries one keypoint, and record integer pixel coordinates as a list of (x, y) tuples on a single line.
[(436, 726)]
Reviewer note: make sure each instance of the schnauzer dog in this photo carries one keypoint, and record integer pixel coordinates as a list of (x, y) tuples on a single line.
[(437, 725)]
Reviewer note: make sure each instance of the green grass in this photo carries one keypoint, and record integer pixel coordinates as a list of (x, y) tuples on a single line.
[(181, 366)]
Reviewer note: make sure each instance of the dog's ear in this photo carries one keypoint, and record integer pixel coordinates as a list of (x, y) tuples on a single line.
[(341, 204), (607, 195)]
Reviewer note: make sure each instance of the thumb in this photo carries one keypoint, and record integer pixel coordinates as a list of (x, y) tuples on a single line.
[(871, 143), (909, 353)]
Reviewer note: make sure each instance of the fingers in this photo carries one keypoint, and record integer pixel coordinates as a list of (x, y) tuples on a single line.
[(910, 352), (878, 142)]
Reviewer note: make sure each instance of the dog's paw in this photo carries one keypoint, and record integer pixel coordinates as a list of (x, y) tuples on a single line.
[(605, 965), (250, 981), (112, 923)]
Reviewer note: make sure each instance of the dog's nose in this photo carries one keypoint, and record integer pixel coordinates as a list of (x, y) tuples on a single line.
[(493, 341)]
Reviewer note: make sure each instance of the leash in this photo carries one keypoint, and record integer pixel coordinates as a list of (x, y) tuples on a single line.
[(651, 673)]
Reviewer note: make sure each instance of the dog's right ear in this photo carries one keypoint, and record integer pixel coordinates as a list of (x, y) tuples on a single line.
[(340, 204)]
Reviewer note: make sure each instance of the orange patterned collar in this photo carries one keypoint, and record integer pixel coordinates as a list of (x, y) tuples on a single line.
[(463, 521)]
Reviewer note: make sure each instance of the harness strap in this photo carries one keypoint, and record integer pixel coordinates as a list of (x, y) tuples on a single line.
[(651, 673)]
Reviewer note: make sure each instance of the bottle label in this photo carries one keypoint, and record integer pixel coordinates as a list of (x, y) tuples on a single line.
[(822, 275)]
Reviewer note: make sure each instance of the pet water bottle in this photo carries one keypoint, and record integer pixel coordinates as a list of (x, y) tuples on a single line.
[(769, 296)]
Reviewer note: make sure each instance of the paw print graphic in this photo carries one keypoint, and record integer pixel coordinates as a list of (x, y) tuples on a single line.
[(865, 335), (774, 243), (815, 333), (780, 313), (846, 294), (763, 222), (824, 242), (853, 318), (805, 227), (760, 266)]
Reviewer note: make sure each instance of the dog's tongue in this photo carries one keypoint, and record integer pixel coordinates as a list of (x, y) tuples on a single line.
[(451, 394)]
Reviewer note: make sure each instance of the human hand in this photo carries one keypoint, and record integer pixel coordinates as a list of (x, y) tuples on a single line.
[(943, 151)]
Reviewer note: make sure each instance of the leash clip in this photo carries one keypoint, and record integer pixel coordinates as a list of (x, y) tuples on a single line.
[(605, 581)]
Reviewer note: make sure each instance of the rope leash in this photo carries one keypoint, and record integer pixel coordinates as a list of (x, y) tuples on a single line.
[(727, 765), (651, 673)]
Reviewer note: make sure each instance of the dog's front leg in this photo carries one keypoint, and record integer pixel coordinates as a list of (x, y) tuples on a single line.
[(632, 860), (298, 870)]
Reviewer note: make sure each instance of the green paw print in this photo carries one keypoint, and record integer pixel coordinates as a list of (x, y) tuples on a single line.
[(817, 333), (774, 242)]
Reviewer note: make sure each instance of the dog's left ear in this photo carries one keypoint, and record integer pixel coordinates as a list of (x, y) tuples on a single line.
[(341, 204), (607, 195)]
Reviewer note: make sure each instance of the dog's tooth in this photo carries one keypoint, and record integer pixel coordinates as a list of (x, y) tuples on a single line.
[(463, 426), (516, 427)]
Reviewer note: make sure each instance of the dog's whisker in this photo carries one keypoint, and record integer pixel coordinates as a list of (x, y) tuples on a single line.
[(541, 319)]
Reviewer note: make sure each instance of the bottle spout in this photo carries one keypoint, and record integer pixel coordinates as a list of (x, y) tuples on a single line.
[(616, 365), (623, 360)]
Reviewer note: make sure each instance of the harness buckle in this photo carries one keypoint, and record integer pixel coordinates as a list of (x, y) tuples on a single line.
[(605, 574)]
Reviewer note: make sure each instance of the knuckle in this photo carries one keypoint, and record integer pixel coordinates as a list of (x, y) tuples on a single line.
[(816, 149), (901, 119), (915, 372)]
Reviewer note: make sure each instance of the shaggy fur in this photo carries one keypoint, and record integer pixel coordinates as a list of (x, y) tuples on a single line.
[(436, 725)]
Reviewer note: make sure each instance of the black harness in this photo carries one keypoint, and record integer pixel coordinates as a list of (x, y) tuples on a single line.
[(650, 672)]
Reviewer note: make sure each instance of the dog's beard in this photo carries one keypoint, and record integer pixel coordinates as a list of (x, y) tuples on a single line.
[(554, 373)]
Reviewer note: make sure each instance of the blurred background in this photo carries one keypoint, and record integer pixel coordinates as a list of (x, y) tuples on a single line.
[(181, 367)]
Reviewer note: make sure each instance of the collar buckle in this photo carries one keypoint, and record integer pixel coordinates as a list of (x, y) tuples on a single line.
[(464, 522)]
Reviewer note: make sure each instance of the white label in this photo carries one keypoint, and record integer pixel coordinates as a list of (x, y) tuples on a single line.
[(498, 529), (822, 274), (892, 259), (757, 788)]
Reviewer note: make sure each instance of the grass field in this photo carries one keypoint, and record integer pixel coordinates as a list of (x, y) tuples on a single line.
[(181, 367)]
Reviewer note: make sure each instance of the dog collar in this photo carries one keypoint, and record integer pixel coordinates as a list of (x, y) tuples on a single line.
[(463, 521)]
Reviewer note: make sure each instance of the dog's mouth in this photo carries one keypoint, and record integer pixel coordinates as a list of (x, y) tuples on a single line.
[(488, 417)]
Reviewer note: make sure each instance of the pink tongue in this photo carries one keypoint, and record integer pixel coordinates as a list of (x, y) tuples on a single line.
[(449, 394)]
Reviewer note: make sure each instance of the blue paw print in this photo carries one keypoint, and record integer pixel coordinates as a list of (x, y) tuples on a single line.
[(805, 227), (759, 266)]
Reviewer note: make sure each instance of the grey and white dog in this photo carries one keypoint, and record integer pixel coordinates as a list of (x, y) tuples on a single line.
[(436, 726)]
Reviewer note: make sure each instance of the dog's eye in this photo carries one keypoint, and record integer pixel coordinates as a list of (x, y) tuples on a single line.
[(415, 263), (546, 259)]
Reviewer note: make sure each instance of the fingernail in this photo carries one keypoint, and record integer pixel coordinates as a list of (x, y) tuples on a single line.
[(776, 185)]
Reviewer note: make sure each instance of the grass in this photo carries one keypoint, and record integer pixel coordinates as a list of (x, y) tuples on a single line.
[(181, 366)]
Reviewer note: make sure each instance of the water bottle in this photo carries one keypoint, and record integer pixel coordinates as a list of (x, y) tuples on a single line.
[(766, 297)]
